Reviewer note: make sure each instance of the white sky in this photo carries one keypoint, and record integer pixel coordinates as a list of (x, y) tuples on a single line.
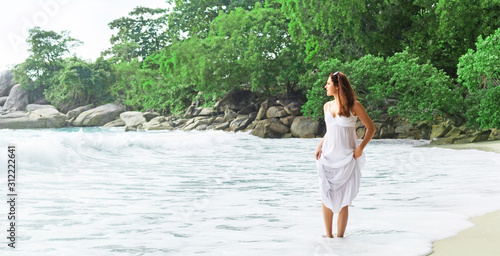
[(86, 20)]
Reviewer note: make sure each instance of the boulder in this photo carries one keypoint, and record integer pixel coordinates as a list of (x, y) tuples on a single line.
[(77, 111), (293, 108), (133, 118), (42, 101), (304, 125), (405, 128), (99, 116), (150, 115), (6, 82), (38, 118), (235, 101), (229, 115), (276, 111), (3, 100), (247, 110), (360, 132), (387, 132), (455, 131), (287, 120), (480, 136), (158, 123), (242, 121), (447, 140), (263, 110), (205, 112), (31, 107), (18, 99), (439, 130), (116, 123), (222, 126)]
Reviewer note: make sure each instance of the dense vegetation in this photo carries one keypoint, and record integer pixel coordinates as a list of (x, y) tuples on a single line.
[(415, 58)]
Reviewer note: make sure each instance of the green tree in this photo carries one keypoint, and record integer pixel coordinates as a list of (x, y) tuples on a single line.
[(479, 73), (80, 83), (193, 18), (144, 29), (46, 50)]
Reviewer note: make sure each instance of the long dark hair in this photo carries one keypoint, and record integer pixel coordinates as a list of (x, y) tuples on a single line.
[(347, 95)]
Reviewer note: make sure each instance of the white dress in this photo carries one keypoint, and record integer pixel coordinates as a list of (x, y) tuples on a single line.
[(338, 171)]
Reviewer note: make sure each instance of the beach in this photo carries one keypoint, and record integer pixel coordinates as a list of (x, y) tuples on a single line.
[(482, 238)]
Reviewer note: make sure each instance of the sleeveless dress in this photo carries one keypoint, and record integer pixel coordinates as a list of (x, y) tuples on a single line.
[(338, 171)]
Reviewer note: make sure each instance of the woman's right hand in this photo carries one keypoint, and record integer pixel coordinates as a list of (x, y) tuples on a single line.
[(317, 153)]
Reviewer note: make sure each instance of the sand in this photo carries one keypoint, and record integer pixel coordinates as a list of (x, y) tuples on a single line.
[(481, 239), (492, 146)]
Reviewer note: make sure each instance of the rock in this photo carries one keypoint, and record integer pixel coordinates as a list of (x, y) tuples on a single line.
[(158, 123), (6, 82), (3, 100), (387, 132), (288, 120), (42, 101), (263, 110), (302, 125), (205, 112), (287, 135), (31, 107), (405, 128), (495, 134), (77, 111), (190, 112), (218, 120), (150, 115), (247, 110), (197, 121), (241, 122), (235, 101), (293, 108), (462, 141), (222, 126), (439, 130), (133, 118), (99, 116), (447, 140), (455, 131), (360, 132), (229, 115), (359, 124), (17, 100), (181, 121), (39, 118), (269, 128), (423, 125), (480, 136), (276, 111), (307, 136), (116, 123)]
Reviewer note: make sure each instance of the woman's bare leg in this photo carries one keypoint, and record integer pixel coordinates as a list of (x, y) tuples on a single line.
[(328, 217), (342, 221)]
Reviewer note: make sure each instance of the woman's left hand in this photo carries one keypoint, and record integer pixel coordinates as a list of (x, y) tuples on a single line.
[(357, 153)]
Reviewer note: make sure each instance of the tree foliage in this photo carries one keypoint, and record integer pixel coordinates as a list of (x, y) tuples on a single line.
[(46, 51), (479, 73), (143, 32)]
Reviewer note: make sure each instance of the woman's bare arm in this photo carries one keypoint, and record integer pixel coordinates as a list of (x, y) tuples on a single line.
[(367, 121)]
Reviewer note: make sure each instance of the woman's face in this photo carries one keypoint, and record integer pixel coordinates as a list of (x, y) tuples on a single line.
[(330, 88)]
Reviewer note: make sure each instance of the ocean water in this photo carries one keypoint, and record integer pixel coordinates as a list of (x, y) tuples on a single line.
[(102, 191)]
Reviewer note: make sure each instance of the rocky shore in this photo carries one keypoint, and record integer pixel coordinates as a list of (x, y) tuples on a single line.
[(238, 111)]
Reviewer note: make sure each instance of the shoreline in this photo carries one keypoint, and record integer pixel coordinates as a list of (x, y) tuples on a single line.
[(489, 146), (480, 239)]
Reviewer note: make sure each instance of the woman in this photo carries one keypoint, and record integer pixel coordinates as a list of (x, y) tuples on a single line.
[(339, 155)]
